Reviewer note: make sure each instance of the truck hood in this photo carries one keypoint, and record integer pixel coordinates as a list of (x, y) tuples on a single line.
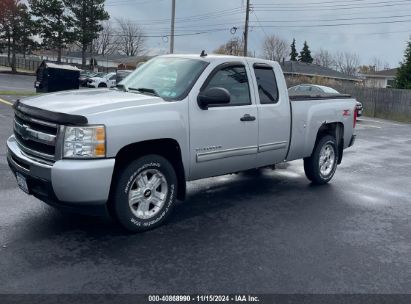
[(88, 102)]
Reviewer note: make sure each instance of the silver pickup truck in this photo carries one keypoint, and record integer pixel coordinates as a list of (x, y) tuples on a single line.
[(130, 150)]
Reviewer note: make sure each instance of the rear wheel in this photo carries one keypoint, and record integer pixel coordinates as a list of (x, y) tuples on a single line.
[(145, 193), (321, 166), (102, 85)]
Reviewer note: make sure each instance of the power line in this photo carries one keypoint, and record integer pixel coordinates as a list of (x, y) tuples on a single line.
[(175, 35), (328, 8), (334, 5), (335, 25), (219, 13), (262, 28), (260, 25), (147, 22), (335, 19), (319, 3), (120, 3)]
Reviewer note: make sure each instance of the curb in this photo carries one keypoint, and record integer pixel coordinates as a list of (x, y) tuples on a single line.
[(18, 73)]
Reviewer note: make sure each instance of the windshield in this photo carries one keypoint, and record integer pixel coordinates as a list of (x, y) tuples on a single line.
[(108, 76), (168, 77)]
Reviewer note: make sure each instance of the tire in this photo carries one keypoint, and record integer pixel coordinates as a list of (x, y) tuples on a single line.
[(102, 85), (153, 182), (315, 172)]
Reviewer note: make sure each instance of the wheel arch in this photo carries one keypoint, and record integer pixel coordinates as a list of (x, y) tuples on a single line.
[(335, 129), (165, 147)]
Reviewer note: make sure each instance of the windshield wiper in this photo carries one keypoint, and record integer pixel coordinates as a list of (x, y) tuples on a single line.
[(145, 91)]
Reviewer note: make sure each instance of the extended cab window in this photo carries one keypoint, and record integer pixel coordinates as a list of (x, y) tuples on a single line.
[(267, 85), (235, 80)]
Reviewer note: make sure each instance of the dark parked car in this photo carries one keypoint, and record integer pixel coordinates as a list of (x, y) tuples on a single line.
[(85, 76), (51, 77), (313, 89), (121, 74)]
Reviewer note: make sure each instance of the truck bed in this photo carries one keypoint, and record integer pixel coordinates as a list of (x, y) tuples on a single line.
[(310, 112)]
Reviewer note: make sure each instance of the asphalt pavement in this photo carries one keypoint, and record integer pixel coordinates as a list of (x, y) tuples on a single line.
[(17, 83), (271, 232)]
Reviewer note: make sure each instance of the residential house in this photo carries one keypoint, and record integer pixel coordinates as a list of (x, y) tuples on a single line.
[(381, 79)]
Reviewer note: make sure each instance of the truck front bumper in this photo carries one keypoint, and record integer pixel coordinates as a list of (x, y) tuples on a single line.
[(83, 185)]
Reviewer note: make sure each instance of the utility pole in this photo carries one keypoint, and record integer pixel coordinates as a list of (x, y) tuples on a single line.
[(247, 17), (173, 20)]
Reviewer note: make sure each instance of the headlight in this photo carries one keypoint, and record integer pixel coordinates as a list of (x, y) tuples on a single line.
[(85, 142)]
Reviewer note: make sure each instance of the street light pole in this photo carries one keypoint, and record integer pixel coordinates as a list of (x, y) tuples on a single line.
[(173, 19)]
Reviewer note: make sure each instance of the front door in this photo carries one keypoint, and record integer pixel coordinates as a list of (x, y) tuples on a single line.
[(224, 139)]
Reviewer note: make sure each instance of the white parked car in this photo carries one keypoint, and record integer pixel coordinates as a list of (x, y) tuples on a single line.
[(106, 81)]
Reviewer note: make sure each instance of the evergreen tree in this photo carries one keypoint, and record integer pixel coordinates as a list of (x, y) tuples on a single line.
[(88, 15), (16, 28), (54, 23), (7, 12), (305, 54), (293, 54), (403, 79), (27, 30)]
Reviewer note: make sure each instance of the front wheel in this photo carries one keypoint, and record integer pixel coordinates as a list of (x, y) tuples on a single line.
[(321, 166), (145, 193)]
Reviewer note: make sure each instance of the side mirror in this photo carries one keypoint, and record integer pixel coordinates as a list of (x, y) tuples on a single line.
[(213, 96)]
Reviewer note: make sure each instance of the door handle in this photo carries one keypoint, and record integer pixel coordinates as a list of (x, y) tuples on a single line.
[(247, 117)]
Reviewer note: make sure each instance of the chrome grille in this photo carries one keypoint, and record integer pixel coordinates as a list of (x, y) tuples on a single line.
[(36, 138)]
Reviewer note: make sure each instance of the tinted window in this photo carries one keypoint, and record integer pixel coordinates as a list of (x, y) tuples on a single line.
[(235, 80), (267, 85), (316, 90), (303, 89)]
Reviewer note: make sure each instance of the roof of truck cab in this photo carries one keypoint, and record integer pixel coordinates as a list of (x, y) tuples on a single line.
[(211, 57)]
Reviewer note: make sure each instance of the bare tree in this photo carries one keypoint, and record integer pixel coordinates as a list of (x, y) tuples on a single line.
[(275, 48), (324, 58), (131, 40), (379, 65), (347, 63), (107, 41), (233, 47)]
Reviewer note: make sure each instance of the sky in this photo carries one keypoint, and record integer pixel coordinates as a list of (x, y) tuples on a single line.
[(370, 28)]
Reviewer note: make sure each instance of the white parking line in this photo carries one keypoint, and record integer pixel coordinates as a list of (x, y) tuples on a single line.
[(367, 127), (6, 102), (380, 122)]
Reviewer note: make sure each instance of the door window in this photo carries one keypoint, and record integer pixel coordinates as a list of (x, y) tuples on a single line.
[(235, 80)]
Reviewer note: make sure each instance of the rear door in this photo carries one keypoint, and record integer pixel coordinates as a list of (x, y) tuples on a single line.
[(221, 140), (274, 114)]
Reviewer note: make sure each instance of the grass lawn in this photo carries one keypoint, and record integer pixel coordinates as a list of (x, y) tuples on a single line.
[(19, 93)]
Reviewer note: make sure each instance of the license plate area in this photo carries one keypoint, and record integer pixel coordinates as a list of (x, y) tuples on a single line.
[(22, 183)]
